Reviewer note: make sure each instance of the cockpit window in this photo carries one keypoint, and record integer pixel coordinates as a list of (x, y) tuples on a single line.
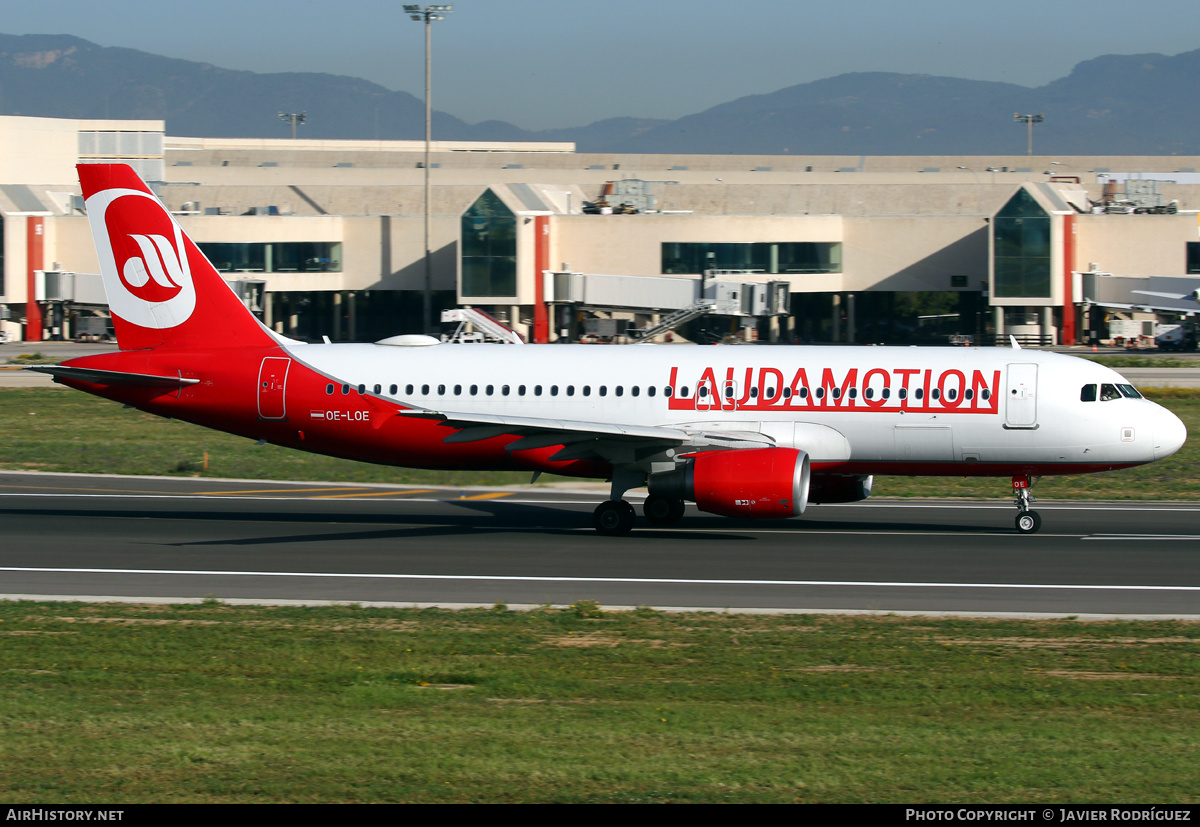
[(1109, 392), (1088, 393), (1129, 391)]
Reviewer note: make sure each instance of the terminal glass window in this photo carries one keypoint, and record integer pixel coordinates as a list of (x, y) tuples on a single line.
[(489, 248), (1021, 231), (1193, 257), (680, 258), (275, 257)]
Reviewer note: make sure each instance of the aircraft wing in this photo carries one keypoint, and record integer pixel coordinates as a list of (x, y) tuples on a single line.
[(581, 439), (113, 377)]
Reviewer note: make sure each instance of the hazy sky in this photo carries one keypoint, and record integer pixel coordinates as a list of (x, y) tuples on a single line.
[(551, 63)]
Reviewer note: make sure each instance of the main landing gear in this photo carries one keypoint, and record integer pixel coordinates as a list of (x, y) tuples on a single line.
[(1028, 521), (615, 517)]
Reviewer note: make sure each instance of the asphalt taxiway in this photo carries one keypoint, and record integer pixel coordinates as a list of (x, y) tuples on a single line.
[(132, 538)]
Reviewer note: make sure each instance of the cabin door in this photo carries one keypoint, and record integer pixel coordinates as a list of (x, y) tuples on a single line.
[(1020, 396), (272, 382)]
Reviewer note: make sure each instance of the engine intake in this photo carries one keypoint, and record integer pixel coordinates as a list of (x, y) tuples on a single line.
[(755, 482)]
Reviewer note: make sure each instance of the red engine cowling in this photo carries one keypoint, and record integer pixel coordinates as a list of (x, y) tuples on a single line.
[(755, 482)]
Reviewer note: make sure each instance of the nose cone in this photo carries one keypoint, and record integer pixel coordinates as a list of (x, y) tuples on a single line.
[(1169, 434)]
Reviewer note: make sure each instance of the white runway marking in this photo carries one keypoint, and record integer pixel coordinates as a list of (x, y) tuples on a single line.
[(552, 579)]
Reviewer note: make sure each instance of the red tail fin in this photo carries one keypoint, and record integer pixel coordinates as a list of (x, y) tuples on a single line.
[(161, 289)]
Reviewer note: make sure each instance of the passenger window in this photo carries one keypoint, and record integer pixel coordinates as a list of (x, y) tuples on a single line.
[(854, 393), (520, 390), (378, 389), (703, 391), (985, 394), (667, 389), (362, 389), (903, 393), (837, 393), (787, 393), (458, 390), (345, 389), (441, 390), (803, 393), (635, 390), (537, 390), (969, 394), (329, 389), (587, 390), (474, 390), (651, 390), (392, 390), (504, 390), (952, 394), (935, 393), (570, 390), (620, 390), (490, 390), (683, 392), (1109, 393), (754, 393), (729, 392), (1087, 393), (920, 393), (887, 393), (869, 393), (554, 390), (425, 390), (408, 390)]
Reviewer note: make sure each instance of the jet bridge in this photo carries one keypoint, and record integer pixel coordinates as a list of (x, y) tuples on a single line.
[(680, 300)]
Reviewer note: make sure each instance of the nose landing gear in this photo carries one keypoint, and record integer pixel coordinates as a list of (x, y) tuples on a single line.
[(1028, 521)]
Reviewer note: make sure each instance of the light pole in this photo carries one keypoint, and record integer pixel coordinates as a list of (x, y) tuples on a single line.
[(293, 118), (1029, 120), (427, 16)]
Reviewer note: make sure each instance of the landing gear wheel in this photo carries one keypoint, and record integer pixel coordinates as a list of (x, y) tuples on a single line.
[(1028, 522), (613, 518), (662, 510)]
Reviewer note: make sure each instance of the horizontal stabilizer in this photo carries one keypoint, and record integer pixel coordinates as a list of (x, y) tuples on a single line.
[(113, 377)]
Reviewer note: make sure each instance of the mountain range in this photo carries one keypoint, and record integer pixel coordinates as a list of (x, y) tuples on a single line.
[(1110, 105)]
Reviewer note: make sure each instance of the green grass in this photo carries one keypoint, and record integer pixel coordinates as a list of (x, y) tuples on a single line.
[(47, 429), (211, 703), (1142, 361)]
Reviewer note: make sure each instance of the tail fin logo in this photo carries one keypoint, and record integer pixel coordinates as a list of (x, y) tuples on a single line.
[(156, 275), (143, 259)]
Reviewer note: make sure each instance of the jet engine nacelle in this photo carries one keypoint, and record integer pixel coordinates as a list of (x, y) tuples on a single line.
[(755, 482), (839, 488)]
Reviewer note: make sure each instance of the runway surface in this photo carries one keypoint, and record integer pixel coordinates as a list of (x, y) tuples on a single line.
[(153, 538)]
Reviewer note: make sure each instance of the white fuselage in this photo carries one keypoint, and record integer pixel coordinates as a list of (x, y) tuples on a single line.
[(907, 410)]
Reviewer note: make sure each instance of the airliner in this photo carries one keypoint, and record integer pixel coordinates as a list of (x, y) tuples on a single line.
[(745, 432)]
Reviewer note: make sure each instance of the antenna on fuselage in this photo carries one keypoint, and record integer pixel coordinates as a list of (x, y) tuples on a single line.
[(1013, 340)]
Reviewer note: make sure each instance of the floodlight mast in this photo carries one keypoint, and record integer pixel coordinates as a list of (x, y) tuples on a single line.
[(1029, 120), (293, 118), (427, 15)]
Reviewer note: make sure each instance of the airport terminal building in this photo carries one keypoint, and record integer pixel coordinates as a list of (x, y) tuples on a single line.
[(327, 238)]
